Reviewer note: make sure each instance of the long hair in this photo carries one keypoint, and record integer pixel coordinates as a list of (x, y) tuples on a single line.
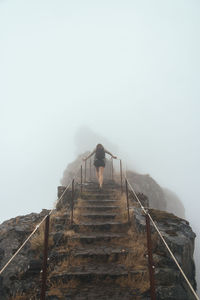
[(100, 152), (99, 147)]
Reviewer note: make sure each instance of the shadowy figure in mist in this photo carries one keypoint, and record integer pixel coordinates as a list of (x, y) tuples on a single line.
[(99, 161)]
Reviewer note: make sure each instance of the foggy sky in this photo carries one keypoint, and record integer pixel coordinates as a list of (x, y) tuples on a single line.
[(125, 70)]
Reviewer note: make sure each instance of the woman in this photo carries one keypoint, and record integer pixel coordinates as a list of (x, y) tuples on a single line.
[(99, 161)]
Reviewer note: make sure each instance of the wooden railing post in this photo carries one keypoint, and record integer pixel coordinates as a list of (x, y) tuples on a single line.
[(150, 259), (44, 268)]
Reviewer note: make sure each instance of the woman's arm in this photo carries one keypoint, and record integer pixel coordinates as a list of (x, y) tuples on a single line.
[(106, 151), (89, 155)]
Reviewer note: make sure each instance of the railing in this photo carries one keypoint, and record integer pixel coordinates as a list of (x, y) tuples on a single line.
[(46, 219), (149, 220), (128, 189), (151, 266)]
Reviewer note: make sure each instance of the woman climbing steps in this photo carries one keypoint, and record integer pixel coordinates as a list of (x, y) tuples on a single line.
[(99, 161)]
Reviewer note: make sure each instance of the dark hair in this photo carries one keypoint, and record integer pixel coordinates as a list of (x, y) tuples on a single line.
[(100, 152), (99, 147)]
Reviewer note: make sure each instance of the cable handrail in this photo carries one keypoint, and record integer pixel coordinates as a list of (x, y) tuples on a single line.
[(36, 228), (164, 241), (24, 243)]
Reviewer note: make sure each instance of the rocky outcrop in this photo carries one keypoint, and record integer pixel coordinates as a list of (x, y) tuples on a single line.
[(180, 238), (159, 198), (173, 203), (12, 234)]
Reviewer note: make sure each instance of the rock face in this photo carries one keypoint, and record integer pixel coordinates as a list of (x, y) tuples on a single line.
[(180, 238), (12, 234), (173, 203), (148, 186), (159, 198)]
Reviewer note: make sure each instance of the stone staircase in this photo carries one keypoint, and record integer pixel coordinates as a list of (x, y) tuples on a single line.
[(93, 257)]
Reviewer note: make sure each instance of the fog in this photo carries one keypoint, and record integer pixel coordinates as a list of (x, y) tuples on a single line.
[(123, 72)]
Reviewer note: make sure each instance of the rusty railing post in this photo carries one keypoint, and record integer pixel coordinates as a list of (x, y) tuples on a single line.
[(72, 203), (85, 171), (81, 179), (127, 200), (150, 259), (112, 169), (44, 267), (121, 175), (90, 169)]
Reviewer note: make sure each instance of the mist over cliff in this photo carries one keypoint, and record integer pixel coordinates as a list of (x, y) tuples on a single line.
[(159, 197)]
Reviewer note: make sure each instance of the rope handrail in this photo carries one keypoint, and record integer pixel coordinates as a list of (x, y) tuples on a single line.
[(164, 241), (24, 243), (36, 228)]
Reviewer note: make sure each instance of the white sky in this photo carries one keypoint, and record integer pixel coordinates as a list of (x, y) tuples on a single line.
[(128, 70)]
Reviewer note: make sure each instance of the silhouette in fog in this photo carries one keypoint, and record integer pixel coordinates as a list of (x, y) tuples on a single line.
[(99, 161)]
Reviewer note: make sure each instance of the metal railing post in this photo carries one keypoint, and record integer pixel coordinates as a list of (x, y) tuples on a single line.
[(127, 200), (44, 268), (72, 204), (85, 171), (90, 169), (112, 169), (150, 259), (81, 179), (121, 175)]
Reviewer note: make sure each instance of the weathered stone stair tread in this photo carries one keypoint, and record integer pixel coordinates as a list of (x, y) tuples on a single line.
[(94, 235), (100, 201), (98, 214), (103, 269), (97, 209), (101, 226), (99, 223), (101, 292), (100, 206), (98, 196), (87, 251), (96, 190)]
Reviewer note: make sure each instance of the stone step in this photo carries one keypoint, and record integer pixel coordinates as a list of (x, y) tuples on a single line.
[(97, 216), (109, 183), (96, 190), (92, 273), (99, 202), (97, 255), (101, 226), (97, 208), (99, 292), (95, 237), (102, 196), (58, 256)]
